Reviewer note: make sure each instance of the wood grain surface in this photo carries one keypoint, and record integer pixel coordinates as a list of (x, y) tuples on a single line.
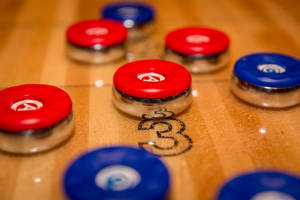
[(229, 137)]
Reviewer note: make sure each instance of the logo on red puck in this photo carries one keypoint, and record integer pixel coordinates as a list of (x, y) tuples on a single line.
[(151, 77), (27, 105), (97, 31), (197, 39)]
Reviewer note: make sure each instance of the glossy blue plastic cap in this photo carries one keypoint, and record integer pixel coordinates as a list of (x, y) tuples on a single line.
[(265, 183), (117, 172), (129, 13), (269, 70)]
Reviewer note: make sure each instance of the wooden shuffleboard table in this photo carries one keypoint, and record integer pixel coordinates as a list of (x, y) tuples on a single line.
[(218, 136)]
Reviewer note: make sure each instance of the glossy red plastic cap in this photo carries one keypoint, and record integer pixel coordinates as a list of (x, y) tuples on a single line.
[(102, 32), (152, 79), (32, 107), (197, 40)]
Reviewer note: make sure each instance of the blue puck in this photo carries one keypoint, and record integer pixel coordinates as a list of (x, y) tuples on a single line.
[(129, 13), (117, 172), (269, 70), (264, 185)]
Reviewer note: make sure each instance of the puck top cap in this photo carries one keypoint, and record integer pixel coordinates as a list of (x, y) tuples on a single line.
[(32, 107), (129, 13), (152, 79), (197, 40), (117, 172), (269, 70), (102, 32), (261, 186)]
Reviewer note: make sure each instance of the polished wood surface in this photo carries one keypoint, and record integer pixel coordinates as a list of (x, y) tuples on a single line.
[(228, 136)]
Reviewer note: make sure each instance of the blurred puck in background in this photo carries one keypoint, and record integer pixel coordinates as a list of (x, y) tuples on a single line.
[(199, 49), (136, 16), (96, 41)]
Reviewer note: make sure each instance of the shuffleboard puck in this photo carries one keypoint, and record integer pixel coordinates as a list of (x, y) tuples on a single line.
[(263, 185), (96, 41), (146, 86), (267, 79), (136, 16), (117, 172), (34, 118), (199, 49)]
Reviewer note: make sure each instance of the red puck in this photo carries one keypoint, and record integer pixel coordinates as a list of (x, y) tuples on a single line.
[(197, 40), (33, 107), (152, 79), (102, 32)]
